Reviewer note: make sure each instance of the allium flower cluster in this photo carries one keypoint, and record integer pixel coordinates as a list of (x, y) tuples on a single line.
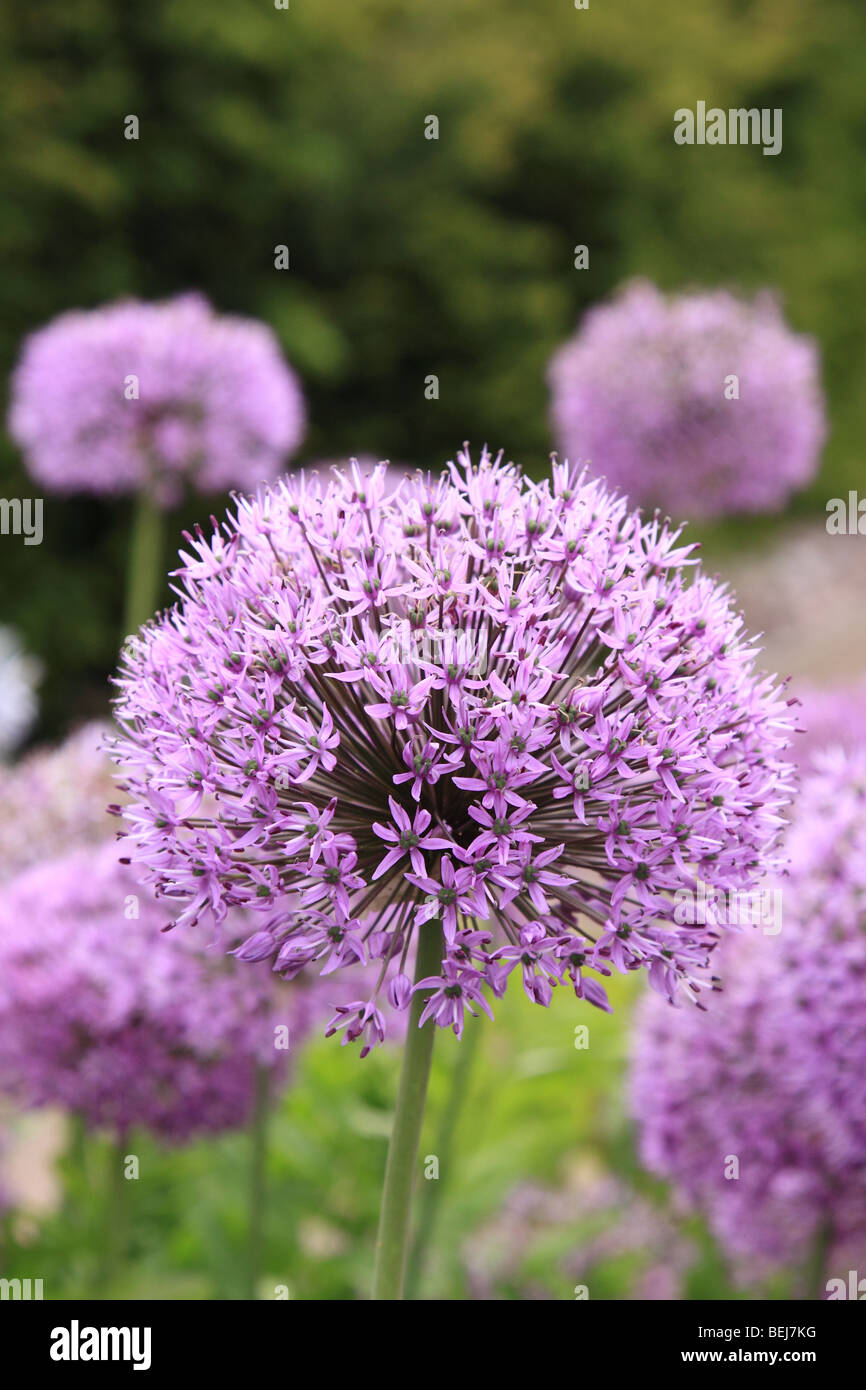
[(479, 706), (19, 674), (640, 392), (149, 397), (55, 799), (772, 1073), (832, 716), (544, 1242), (102, 1013)]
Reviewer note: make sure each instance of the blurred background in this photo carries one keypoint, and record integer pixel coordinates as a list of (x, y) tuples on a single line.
[(411, 257)]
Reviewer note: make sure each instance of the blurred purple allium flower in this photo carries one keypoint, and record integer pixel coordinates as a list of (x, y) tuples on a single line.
[(640, 393), (772, 1073), (480, 700), (104, 1014), (217, 406), (832, 716), (542, 1242), (54, 799)]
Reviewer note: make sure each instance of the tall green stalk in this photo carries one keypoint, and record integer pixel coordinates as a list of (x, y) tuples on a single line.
[(144, 571), (431, 1193), (6, 1239), (76, 1148), (76, 1187), (115, 1216), (258, 1175), (816, 1270), (393, 1238)]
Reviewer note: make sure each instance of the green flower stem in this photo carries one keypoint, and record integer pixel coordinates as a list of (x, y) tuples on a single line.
[(816, 1272), (115, 1216), (76, 1188), (393, 1239), (431, 1193), (7, 1240), (77, 1144), (258, 1166), (144, 573)]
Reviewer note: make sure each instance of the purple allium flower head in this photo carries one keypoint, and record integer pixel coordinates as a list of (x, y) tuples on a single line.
[(479, 700), (54, 800), (640, 393), (103, 1013), (832, 716), (213, 404), (771, 1074)]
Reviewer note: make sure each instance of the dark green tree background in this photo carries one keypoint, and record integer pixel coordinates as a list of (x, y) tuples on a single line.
[(409, 256)]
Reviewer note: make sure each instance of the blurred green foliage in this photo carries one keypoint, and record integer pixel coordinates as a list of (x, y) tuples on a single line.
[(535, 1107), (408, 256)]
